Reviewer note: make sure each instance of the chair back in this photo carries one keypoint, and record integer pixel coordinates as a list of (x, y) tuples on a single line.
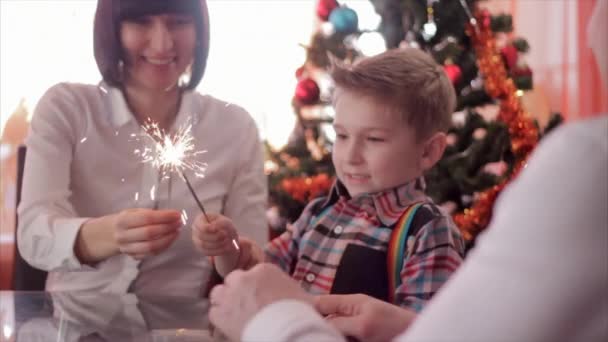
[(25, 276)]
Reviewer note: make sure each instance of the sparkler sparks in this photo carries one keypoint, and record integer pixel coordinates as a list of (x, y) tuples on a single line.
[(184, 217), (172, 153)]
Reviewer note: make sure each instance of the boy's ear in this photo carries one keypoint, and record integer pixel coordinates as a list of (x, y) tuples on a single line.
[(432, 150)]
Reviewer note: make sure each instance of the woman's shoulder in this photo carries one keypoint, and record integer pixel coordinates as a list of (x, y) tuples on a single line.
[(69, 103), (73, 88), (72, 93)]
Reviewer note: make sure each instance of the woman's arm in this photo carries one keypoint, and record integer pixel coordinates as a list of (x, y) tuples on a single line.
[(51, 234), (48, 224)]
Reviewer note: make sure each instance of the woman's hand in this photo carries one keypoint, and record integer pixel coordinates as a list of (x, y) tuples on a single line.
[(144, 232), (135, 232)]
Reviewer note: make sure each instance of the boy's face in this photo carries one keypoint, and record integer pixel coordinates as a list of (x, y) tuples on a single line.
[(374, 150)]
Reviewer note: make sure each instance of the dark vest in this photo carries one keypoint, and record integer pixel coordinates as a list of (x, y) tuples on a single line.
[(364, 270)]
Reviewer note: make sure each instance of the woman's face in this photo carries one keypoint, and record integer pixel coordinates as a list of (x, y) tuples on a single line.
[(157, 49)]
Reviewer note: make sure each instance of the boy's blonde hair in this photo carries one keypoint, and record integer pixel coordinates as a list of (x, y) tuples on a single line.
[(406, 81)]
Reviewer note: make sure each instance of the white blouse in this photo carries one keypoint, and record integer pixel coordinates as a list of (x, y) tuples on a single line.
[(81, 163)]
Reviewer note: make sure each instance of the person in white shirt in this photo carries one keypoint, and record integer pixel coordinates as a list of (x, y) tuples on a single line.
[(95, 216), (539, 273)]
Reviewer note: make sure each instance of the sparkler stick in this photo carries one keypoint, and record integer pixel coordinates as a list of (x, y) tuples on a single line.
[(198, 202)]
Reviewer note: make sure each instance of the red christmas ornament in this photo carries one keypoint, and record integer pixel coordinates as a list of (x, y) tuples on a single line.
[(453, 71), (324, 8), (307, 91), (509, 54)]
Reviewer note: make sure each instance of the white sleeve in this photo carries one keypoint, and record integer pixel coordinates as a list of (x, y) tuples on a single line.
[(289, 320), (540, 273), (247, 196), (48, 225)]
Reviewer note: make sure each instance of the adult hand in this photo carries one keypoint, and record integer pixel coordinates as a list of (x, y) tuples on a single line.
[(364, 317), (144, 232), (244, 293)]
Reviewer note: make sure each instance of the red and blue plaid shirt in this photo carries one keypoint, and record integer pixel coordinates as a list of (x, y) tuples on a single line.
[(312, 248)]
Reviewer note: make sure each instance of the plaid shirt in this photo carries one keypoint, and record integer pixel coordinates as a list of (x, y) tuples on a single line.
[(312, 248)]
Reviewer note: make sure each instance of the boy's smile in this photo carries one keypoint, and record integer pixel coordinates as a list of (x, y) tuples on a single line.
[(357, 177)]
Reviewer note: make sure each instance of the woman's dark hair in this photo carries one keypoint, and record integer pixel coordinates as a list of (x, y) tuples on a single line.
[(106, 33)]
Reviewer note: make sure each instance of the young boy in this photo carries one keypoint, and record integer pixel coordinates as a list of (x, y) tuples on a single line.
[(392, 111)]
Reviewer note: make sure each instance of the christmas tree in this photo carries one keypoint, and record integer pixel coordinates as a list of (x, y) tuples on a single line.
[(491, 137)]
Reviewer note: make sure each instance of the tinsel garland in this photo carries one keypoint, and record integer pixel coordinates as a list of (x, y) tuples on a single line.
[(522, 130)]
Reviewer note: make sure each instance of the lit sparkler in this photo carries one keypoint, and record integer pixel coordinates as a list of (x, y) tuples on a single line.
[(173, 154)]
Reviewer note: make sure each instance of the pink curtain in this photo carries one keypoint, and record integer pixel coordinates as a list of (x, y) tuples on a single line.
[(592, 47), (566, 70)]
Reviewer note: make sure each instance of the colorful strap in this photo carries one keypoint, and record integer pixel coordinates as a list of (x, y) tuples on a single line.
[(396, 248)]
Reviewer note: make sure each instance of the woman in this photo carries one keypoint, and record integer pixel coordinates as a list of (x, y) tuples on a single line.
[(88, 202)]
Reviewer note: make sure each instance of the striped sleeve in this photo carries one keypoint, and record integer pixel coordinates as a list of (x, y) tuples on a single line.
[(433, 254), (283, 250)]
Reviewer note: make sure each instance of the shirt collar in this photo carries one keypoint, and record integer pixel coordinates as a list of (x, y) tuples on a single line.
[(120, 114), (387, 205)]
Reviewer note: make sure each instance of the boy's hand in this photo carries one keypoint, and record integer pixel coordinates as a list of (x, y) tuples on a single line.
[(250, 254), (216, 237)]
